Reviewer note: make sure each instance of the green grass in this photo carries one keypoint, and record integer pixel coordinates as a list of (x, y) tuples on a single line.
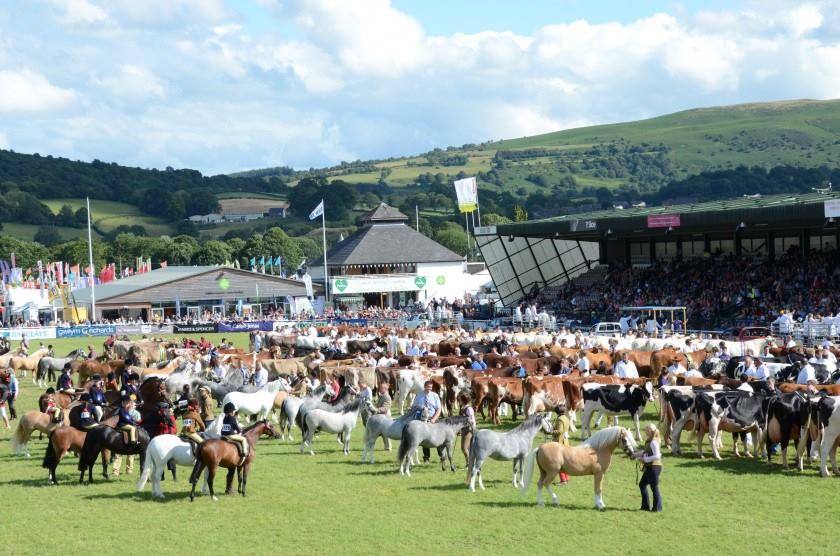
[(27, 231), (249, 195), (108, 215), (332, 504)]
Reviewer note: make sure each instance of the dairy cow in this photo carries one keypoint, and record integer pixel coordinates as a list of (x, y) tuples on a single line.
[(613, 400)]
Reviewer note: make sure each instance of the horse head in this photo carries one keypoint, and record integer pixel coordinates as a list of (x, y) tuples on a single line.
[(545, 424), (628, 444)]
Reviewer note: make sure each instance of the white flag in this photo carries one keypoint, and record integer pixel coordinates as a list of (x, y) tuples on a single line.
[(318, 211), (467, 192)]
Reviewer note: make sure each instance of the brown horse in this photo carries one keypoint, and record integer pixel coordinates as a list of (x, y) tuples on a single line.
[(590, 458), (66, 439), (216, 453)]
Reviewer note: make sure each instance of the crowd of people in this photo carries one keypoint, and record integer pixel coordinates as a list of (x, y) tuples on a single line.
[(717, 291)]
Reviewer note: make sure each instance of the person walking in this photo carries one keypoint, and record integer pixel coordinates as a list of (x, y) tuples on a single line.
[(651, 459)]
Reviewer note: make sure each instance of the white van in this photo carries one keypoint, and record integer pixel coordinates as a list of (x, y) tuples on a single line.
[(605, 329)]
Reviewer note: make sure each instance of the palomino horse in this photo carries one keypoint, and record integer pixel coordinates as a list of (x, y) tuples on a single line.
[(32, 421), (440, 435), (501, 446), (213, 454), (105, 440), (28, 363), (166, 448), (590, 458)]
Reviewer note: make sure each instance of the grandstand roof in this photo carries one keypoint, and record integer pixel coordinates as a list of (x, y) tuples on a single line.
[(724, 214)]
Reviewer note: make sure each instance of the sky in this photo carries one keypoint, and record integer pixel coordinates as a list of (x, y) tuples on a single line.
[(231, 85)]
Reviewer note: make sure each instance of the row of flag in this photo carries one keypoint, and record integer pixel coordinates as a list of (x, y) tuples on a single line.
[(60, 272)]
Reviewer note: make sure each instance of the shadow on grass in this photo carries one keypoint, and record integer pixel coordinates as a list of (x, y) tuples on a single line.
[(532, 504), (146, 496)]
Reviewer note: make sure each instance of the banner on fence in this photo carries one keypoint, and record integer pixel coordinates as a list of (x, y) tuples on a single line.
[(47, 333), (135, 329), (77, 331), (353, 322), (194, 328), (265, 326)]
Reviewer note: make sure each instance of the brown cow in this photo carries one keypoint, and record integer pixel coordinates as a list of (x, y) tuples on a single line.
[(551, 385), (642, 360), (501, 390)]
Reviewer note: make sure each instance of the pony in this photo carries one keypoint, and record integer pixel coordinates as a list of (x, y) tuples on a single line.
[(386, 427), (440, 435), (291, 406), (108, 439), (511, 445), (169, 448), (590, 458), (215, 453), (68, 439), (341, 422), (32, 421), (310, 405), (48, 366), (259, 403), (28, 363)]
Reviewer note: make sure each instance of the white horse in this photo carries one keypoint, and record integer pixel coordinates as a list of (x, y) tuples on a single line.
[(291, 406), (408, 382), (341, 422), (168, 447), (259, 403)]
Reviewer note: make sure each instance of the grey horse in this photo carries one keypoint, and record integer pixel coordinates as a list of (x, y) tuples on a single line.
[(345, 396), (440, 435), (503, 446), (386, 427), (339, 422), (47, 366), (291, 406)]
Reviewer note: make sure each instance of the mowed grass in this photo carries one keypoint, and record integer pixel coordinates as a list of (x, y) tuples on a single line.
[(108, 215), (27, 232), (333, 504)]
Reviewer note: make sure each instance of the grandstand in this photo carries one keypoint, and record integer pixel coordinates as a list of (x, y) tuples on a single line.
[(572, 262)]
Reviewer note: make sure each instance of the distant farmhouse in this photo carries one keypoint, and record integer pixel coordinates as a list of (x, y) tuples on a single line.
[(243, 210)]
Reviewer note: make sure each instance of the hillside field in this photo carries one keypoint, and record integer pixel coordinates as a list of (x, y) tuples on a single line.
[(333, 504), (107, 215)]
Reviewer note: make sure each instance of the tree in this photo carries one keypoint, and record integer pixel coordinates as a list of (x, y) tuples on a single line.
[(493, 219), (48, 236), (519, 214), (310, 248), (76, 252), (213, 252), (453, 236), (276, 242), (65, 216)]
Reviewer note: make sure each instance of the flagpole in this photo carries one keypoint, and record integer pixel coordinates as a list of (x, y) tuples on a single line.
[(417, 218), (92, 269), (326, 272)]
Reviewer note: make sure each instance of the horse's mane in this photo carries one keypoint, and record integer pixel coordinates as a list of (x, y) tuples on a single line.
[(604, 438), (457, 420), (532, 421), (352, 406), (253, 425)]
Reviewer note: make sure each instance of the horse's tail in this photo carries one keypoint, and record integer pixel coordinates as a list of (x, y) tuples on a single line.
[(470, 457), (21, 436), (528, 470), (403, 451), (147, 470), (50, 458), (42, 369)]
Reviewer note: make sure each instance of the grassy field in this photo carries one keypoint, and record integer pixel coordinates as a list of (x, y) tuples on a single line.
[(332, 504), (27, 231), (107, 215)]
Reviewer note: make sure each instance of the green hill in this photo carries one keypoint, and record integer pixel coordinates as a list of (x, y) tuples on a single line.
[(642, 155)]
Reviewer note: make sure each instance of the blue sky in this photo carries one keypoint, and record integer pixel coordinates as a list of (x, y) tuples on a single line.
[(228, 85)]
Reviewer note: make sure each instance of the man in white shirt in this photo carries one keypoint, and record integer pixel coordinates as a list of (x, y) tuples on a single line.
[(761, 371), (807, 373), (652, 327), (624, 323), (789, 342), (676, 368), (626, 368), (748, 367), (583, 363), (745, 385), (261, 377), (692, 371)]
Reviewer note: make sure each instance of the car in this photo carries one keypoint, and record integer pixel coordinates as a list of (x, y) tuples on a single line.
[(745, 333), (605, 329)]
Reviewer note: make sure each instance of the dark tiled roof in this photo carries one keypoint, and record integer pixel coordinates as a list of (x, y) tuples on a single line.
[(385, 213), (389, 243)]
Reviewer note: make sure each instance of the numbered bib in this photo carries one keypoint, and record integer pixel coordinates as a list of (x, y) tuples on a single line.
[(85, 414), (188, 422), (225, 428)]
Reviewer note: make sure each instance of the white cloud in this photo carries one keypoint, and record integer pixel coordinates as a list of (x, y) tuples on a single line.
[(710, 61), (4, 141), (79, 11), (28, 91), (133, 83), (804, 19)]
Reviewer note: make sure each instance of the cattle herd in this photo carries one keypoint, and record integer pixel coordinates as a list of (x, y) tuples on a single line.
[(525, 374)]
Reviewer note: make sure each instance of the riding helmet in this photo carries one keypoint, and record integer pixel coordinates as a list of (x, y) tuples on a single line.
[(163, 405), (229, 407), (133, 376), (124, 399), (84, 397)]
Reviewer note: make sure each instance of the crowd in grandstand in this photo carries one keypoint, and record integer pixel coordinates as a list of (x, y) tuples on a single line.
[(717, 291)]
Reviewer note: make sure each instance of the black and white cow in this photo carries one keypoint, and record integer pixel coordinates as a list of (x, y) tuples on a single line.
[(612, 400), (787, 419), (734, 411), (676, 406), (825, 427)]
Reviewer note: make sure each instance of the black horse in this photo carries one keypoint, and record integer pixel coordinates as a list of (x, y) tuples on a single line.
[(112, 440)]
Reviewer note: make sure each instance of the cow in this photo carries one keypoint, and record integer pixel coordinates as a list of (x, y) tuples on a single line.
[(734, 411), (410, 381), (613, 400), (825, 421), (676, 412), (786, 420), (552, 386), (503, 390), (454, 381)]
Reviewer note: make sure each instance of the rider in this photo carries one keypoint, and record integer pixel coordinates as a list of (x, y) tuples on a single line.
[(191, 423), (86, 415), (231, 430), (111, 384), (24, 345), (183, 399), (126, 420), (51, 407), (65, 382), (131, 389), (97, 397), (166, 421)]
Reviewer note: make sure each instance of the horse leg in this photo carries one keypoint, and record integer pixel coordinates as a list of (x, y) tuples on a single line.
[(635, 422), (244, 479), (599, 483), (196, 473), (211, 475), (229, 481), (540, 482), (346, 442)]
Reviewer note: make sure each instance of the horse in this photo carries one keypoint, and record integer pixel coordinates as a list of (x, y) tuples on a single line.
[(309, 405), (590, 458), (259, 403), (28, 363), (440, 435), (169, 448), (31, 421), (386, 427), (66, 439), (291, 406), (511, 445), (108, 439), (216, 453), (340, 422), (48, 366)]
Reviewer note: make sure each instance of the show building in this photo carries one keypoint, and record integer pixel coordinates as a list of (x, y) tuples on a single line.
[(387, 263)]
